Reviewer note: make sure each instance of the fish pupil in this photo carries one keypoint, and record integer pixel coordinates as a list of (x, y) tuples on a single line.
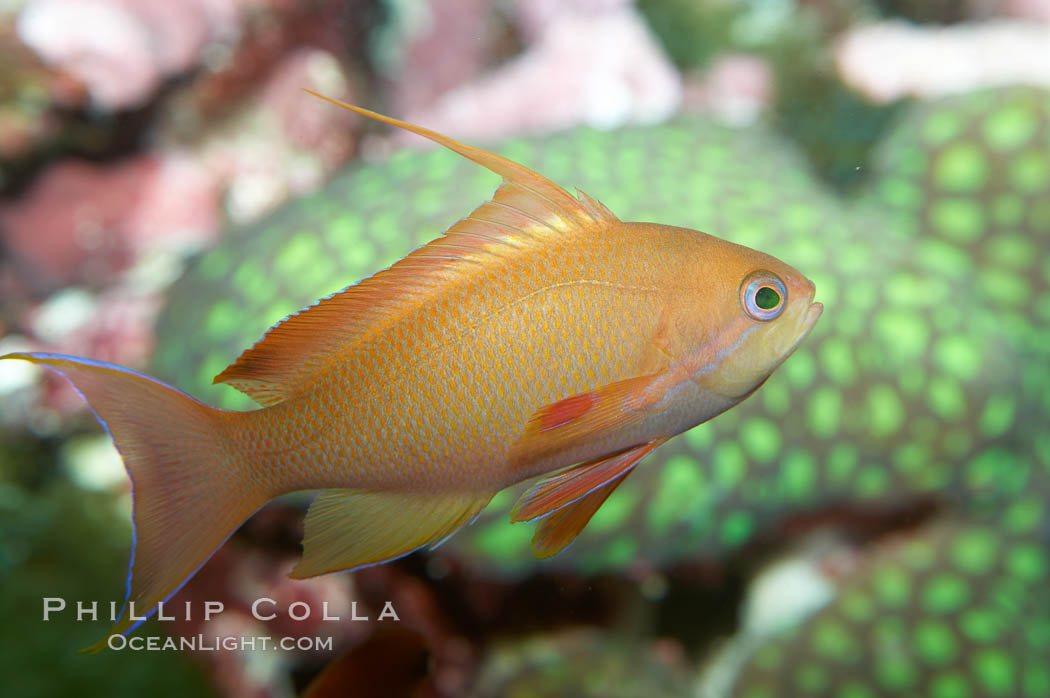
[(767, 298)]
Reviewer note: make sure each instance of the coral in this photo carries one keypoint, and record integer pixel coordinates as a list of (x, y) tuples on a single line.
[(122, 49), (600, 67), (892, 60), (737, 88)]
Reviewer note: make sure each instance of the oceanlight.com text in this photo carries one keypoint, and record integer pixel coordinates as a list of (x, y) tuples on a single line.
[(211, 643)]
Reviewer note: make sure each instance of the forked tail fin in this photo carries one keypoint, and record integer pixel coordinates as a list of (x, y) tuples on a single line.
[(188, 489)]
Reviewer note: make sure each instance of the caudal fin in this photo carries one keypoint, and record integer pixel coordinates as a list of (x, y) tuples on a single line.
[(188, 489)]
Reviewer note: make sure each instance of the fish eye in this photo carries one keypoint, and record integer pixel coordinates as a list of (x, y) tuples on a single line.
[(763, 295)]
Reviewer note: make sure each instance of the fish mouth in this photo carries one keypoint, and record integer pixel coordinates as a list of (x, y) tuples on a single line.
[(810, 315), (809, 319), (813, 314)]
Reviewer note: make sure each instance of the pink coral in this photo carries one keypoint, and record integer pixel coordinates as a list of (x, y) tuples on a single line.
[(737, 88), (81, 222), (122, 49), (444, 44), (66, 228), (591, 62), (1030, 9)]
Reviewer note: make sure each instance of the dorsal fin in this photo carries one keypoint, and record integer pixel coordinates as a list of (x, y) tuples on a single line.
[(527, 209)]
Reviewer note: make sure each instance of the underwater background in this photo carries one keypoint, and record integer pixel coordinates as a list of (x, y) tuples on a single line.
[(875, 520)]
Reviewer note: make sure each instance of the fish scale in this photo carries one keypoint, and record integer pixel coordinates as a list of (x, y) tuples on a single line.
[(393, 367), (927, 376)]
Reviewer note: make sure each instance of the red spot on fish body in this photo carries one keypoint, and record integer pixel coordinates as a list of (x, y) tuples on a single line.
[(564, 411)]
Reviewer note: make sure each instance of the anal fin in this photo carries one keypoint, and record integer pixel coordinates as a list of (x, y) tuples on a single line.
[(558, 490), (347, 529)]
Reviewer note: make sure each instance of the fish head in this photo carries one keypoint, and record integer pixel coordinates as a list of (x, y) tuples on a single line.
[(749, 312)]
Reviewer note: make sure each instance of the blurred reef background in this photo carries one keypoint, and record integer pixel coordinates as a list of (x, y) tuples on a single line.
[(875, 520)]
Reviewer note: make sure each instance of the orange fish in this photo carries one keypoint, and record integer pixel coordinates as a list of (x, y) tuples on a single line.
[(538, 334)]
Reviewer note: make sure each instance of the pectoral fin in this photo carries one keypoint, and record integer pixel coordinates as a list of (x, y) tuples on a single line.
[(561, 527), (585, 417), (347, 529), (566, 487)]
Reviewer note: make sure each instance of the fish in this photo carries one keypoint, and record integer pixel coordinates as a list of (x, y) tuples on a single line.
[(926, 382), (539, 336)]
